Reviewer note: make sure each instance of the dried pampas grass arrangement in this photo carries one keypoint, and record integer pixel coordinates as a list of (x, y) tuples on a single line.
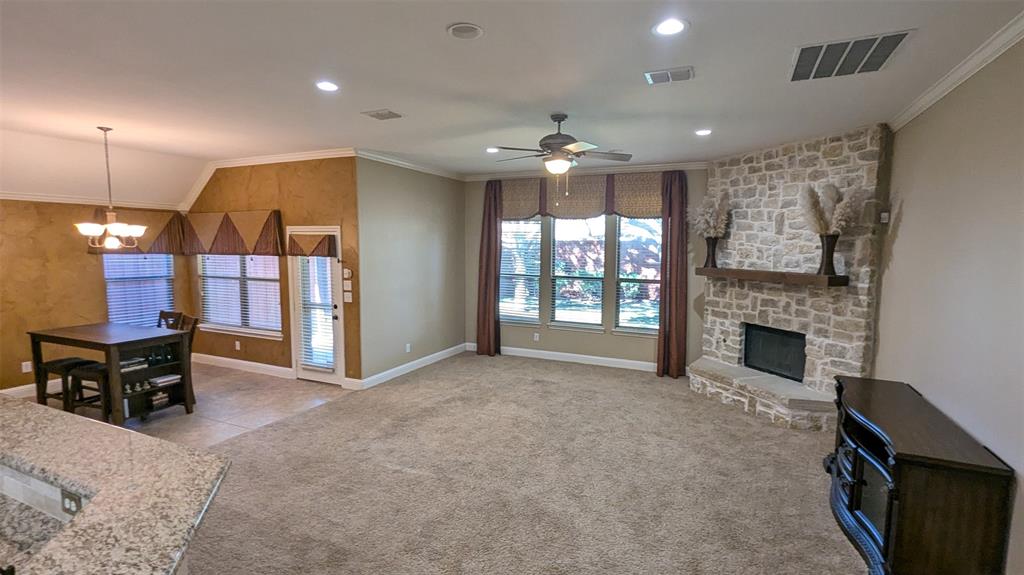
[(828, 212), (710, 218)]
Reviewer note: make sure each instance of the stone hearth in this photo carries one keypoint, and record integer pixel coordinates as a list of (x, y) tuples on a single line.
[(767, 232)]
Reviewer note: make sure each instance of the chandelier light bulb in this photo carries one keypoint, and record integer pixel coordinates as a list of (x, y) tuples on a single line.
[(90, 229), (112, 243)]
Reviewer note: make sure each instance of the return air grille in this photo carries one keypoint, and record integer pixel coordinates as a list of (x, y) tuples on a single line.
[(846, 57), (666, 76), (384, 114)]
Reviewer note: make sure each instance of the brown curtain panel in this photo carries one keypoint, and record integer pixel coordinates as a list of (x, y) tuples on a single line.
[(672, 329), (488, 328)]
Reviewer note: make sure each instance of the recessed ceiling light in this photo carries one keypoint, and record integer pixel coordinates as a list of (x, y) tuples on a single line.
[(703, 132), (670, 27), (492, 150), (327, 86)]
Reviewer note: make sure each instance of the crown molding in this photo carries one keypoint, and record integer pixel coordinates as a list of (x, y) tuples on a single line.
[(210, 167), (590, 171), (65, 199), (393, 161), (991, 49)]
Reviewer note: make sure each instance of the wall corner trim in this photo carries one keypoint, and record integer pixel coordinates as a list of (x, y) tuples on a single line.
[(243, 365), (394, 161), (989, 50), (210, 167), (624, 169)]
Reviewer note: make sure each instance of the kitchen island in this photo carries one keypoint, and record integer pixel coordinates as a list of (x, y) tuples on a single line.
[(80, 496)]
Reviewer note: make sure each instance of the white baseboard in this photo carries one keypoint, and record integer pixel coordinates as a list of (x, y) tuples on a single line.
[(405, 368), (52, 386), (574, 358), (243, 365)]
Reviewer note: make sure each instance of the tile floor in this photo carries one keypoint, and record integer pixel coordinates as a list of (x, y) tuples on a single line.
[(228, 403)]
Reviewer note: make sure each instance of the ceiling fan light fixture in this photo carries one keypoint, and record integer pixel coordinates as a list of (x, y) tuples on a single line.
[(557, 165)]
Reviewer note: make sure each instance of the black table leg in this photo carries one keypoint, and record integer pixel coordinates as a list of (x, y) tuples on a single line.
[(114, 385), (37, 371)]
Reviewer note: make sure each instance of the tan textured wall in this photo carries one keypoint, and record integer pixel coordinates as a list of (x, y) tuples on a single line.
[(412, 241), (308, 193), (951, 319), (607, 344), (47, 280)]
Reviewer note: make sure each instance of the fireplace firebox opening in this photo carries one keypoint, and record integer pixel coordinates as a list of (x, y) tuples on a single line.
[(775, 351)]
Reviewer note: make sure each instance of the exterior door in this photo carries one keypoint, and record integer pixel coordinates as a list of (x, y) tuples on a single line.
[(318, 349)]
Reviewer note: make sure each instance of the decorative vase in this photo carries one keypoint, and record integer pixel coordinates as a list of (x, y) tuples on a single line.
[(711, 262), (828, 252)]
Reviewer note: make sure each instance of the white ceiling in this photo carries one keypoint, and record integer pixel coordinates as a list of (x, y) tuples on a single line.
[(220, 80)]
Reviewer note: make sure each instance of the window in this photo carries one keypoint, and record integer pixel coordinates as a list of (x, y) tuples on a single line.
[(577, 270), (639, 273), (519, 286), (241, 292), (139, 287)]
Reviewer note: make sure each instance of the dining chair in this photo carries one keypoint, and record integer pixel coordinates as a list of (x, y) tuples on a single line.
[(170, 319), (96, 373)]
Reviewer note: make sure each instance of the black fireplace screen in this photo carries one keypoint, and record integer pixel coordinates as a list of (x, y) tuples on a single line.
[(775, 351)]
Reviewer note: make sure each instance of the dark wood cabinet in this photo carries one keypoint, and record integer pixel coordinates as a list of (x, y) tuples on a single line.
[(914, 493)]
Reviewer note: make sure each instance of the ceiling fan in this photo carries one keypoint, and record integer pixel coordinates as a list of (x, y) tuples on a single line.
[(560, 151)]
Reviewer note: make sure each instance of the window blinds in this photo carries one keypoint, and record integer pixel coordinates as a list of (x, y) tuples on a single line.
[(577, 270), (316, 317), (519, 282), (139, 287), (638, 290), (241, 291)]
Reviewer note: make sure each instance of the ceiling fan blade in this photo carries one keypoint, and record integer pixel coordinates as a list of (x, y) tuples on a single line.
[(618, 157), (578, 147), (519, 149), (522, 157)]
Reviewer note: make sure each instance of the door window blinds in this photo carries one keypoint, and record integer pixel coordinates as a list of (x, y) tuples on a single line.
[(139, 287), (316, 313)]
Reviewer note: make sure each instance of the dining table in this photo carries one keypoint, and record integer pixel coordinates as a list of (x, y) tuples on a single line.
[(117, 341)]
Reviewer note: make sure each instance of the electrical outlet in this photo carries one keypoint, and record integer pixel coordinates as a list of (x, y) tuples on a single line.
[(408, 347), (238, 345), (26, 367), (536, 336), (70, 502)]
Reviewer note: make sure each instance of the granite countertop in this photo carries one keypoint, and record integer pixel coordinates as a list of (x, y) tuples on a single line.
[(142, 497)]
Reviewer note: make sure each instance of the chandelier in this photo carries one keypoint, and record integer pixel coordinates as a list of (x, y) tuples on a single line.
[(112, 235)]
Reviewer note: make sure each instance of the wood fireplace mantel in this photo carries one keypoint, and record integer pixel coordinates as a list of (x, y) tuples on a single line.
[(793, 278)]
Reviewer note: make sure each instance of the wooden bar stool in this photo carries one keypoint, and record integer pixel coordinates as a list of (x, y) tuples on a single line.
[(63, 367), (96, 373)]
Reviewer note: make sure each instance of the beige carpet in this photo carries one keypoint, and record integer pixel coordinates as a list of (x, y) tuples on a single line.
[(519, 466)]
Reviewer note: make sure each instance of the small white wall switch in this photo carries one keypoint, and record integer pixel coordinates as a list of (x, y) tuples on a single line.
[(883, 217), (346, 273), (238, 345), (26, 367), (408, 347), (347, 297), (346, 285), (536, 336)]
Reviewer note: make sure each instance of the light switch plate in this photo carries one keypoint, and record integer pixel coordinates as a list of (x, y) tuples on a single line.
[(348, 297), (346, 285), (26, 367)]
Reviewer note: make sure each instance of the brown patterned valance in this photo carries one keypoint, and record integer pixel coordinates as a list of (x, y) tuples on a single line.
[(256, 232), (324, 245), (634, 195)]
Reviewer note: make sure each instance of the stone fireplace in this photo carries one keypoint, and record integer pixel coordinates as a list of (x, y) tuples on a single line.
[(767, 232)]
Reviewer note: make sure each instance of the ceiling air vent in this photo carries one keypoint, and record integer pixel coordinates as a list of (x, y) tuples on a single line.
[(383, 114), (846, 57), (666, 76)]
